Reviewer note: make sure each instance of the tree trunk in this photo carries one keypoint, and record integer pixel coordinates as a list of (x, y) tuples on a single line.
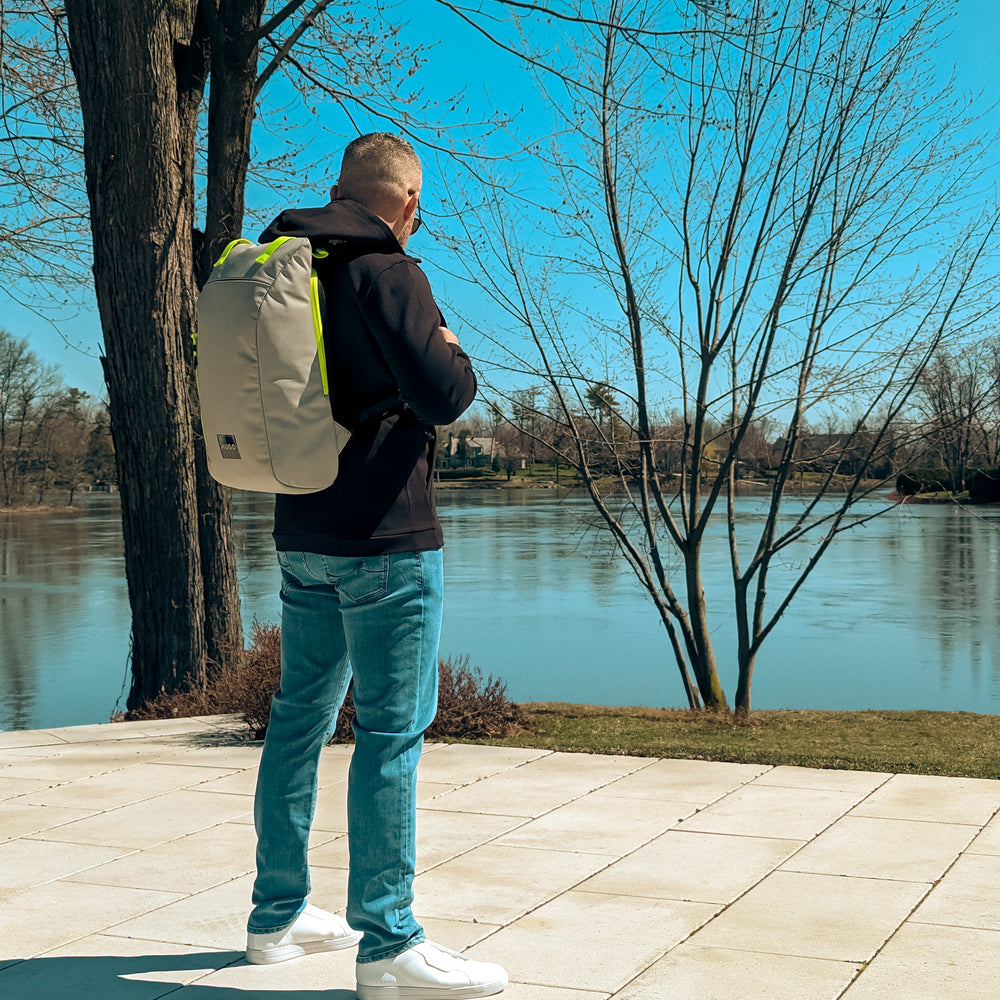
[(139, 120), (223, 621), (230, 116), (742, 707), (743, 658), (235, 54), (703, 663)]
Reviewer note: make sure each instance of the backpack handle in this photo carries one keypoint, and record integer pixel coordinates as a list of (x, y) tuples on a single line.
[(226, 252)]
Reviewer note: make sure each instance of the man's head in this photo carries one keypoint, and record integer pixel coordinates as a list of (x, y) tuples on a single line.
[(382, 172)]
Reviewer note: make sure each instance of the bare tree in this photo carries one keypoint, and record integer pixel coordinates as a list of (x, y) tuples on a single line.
[(50, 435), (62, 446), (746, 218), (28, 392), (958, 395), (43, 205)]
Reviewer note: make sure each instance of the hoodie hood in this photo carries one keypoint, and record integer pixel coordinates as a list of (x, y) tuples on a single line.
[(343, 222)]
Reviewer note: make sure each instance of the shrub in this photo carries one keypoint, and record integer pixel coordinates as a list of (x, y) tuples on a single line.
[(984, 486), (260, 671), (914, 481), (466, 472), (245, 691), (471, 707), (468, 706)]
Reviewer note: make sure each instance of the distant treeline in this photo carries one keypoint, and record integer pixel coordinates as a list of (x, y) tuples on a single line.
[(950, 428), (52, 437)]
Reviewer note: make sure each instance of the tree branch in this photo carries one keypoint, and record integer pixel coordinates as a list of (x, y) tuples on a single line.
[(304, 25)]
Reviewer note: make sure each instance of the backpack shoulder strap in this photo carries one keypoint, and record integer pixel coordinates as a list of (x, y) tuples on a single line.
[(382, 406)]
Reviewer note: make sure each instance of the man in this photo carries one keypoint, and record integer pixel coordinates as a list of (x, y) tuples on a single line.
[(361, 592)]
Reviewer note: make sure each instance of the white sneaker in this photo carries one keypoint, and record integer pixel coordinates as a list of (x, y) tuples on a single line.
[(428, 972), (312, 930)]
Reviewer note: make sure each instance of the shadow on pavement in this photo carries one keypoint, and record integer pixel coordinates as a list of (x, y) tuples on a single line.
[(123, 977)]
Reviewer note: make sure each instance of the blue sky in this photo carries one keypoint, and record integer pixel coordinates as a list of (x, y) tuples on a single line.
[(461, 59)]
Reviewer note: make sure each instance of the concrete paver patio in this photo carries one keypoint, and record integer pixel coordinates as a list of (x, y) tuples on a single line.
[(126, 857)]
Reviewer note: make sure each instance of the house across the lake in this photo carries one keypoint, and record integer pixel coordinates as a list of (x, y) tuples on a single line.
[(462, 450)]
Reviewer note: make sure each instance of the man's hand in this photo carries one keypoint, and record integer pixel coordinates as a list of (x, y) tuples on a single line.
[(449, 337)]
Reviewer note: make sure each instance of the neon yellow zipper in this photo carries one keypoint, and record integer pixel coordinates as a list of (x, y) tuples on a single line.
[(318, 329)]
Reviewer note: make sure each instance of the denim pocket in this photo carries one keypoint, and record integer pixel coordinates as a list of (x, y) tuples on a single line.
[(367, 581)]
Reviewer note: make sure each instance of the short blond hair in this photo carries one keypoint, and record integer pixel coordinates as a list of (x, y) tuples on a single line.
[(378, 169)]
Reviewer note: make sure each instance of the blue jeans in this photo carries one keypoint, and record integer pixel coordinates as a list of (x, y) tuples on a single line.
[(380, 617)]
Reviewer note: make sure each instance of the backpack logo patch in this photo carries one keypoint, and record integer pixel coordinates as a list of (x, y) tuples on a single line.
[(228, 446)]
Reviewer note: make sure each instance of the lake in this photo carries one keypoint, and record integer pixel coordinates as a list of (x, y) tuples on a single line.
[(902, 613)]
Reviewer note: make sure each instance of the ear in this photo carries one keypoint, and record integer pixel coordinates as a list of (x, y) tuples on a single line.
[(335, 192), (411, 206)]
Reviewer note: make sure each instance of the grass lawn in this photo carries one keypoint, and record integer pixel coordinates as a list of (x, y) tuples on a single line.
[(960, 744)]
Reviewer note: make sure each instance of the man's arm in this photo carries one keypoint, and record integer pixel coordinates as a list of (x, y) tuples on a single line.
[(432, 371)]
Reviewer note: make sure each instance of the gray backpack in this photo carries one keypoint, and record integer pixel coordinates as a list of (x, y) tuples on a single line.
[(261, 370)]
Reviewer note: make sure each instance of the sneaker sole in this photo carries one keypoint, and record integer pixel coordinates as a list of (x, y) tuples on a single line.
[(430, 992), (271, 956)]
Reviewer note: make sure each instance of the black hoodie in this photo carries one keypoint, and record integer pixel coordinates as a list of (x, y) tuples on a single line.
[(383, 349)]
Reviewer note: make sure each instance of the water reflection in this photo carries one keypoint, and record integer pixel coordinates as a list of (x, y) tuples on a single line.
[(902, 613), (960, 592), (63, 615)]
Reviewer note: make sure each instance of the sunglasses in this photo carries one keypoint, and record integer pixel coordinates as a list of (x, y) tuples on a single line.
[(417, 220)]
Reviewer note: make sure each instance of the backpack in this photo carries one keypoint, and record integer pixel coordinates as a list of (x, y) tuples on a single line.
[(261, 371)]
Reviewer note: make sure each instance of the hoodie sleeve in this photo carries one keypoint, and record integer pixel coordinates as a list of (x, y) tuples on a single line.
[(434, 377)]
